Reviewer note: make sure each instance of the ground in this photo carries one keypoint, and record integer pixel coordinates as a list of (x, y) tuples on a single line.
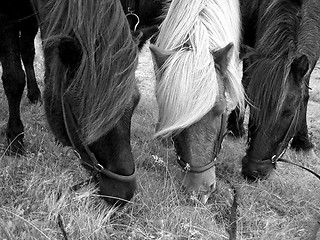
[(286, 206)]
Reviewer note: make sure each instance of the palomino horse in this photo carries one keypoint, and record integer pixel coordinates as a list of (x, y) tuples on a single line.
[(196, 61), (284, 45), (90, 87)]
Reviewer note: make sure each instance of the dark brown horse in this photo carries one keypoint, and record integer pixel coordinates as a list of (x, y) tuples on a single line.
[(284, 45)]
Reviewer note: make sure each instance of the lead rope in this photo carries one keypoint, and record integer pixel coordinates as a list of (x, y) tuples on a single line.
[(60, 221), (233, 216)]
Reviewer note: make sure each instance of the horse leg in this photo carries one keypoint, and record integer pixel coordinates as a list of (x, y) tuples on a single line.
[(29, 28), (301, 141), (13, 78), (235, 123)]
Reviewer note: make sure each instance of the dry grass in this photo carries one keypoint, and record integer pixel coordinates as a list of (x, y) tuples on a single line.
[(286, 206)]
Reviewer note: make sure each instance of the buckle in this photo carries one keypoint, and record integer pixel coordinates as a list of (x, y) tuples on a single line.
[(187, 168), (99, 167)]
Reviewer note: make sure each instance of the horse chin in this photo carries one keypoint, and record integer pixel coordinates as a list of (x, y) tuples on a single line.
[(253, 170), (200, 185)]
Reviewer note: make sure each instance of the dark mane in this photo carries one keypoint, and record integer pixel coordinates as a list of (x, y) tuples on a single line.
[(276, 47), (149, 9), (103, 82)]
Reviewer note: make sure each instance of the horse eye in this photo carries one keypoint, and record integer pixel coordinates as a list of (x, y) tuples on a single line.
[(287, 113)]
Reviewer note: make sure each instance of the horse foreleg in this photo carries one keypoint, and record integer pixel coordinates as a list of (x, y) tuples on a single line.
[(13, 78), (29, 30), (235, 123), (301, 141), (235, 119)]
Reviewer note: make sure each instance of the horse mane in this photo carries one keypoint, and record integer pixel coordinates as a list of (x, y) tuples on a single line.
[(276, 47), (188, 88), (151, 8), (104, 81)]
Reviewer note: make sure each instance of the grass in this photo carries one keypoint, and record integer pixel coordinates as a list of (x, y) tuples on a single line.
[(286, 206)]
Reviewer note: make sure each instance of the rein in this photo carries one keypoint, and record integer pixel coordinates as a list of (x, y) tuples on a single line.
[(87, 157), (186, 167)]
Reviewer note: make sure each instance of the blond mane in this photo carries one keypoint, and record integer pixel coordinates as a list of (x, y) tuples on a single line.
[(187, 85)]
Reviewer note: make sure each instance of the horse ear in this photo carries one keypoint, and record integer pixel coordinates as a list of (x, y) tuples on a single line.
[(143, 34), (69, 52), (245, 50), (222, 57), (299, 68), (159, 56)]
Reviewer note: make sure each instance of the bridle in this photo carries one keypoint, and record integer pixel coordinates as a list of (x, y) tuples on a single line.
[(87, 157), (132, 5), (284, 145), (186, 167)]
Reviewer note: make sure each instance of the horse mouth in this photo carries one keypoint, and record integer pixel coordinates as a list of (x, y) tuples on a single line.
[(202, 195)]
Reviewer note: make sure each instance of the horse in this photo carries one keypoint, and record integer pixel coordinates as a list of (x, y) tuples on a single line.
[(282, 41), (18, 28), (196, 63), (90, 88)]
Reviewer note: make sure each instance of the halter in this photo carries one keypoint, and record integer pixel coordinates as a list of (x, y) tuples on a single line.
[(131, 11), (186, 167), (87, 157), (284, 145)]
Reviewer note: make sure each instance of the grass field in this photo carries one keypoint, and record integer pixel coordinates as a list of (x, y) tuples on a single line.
[(284, 207)]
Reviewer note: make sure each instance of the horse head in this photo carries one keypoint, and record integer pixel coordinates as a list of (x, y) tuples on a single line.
[(91, 91), (198, 143), (275, 118)]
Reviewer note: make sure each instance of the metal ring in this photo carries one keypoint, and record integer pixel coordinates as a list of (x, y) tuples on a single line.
[(133, 14), (99, 167), (187, 168)]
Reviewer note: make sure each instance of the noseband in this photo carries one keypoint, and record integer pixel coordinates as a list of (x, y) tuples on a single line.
[(283, 146), (87, 157), (186, 167)]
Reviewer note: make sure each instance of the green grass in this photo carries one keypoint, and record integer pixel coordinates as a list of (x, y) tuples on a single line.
[(286, 206)]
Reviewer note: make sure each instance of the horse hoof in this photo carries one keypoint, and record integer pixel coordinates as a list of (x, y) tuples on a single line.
[(35, 97), (16, 149)]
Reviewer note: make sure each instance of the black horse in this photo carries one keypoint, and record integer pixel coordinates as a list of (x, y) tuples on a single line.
[(282, 41), (90, 89), (18, 27)]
